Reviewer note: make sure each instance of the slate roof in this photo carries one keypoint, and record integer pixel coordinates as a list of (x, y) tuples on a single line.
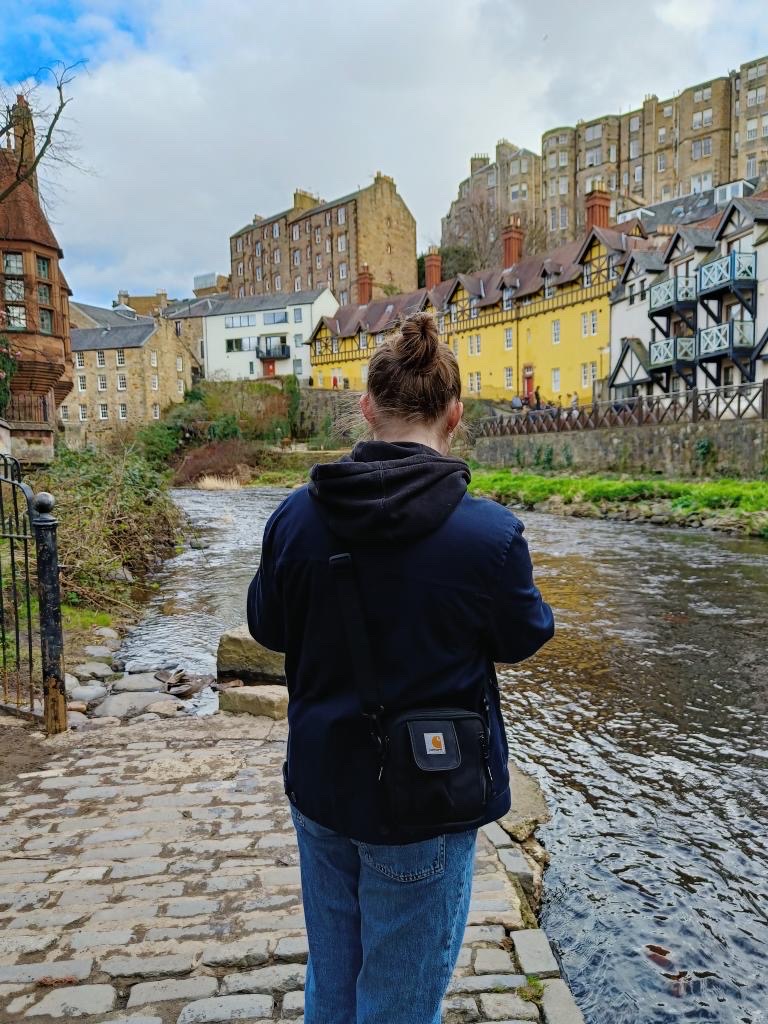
[(89, 339), (119, 316), (211, 306), (21, 216)]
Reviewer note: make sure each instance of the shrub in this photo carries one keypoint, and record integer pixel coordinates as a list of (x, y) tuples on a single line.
[(224, 428), (158, 442)]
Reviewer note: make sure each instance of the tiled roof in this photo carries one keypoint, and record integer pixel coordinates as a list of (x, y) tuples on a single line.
[(211, 306), (90, 339), (21, 216)]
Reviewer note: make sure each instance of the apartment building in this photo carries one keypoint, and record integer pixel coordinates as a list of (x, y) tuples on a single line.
[(708, 134), (128, 368), (694, 314), (257, 336), (510, 186), (319, 244)]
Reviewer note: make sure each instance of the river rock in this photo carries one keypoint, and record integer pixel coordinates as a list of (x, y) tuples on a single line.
[(239, 656), (199, 545), (88, 692), (138, 719), (529, 806), (227, 684), (126, 705), (92, 669), (265, 701), (75, 719), (99, 723), (77, 705), (165, 708), (140, 682), (98, 652), (107, 632), (70, 682)]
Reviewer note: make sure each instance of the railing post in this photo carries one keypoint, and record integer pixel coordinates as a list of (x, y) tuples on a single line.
[(694, 405), (764, 400), (51, 635)]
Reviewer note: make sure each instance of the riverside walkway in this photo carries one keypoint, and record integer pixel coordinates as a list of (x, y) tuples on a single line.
[(148, 875)]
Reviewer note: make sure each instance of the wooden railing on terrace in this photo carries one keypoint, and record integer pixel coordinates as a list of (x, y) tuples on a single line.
[(745, 401)]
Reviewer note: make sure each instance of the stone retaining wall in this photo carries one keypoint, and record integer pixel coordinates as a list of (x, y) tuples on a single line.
[(736, 448)]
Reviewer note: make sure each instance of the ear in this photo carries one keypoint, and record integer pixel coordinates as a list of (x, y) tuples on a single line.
[(366, 407), (455, 412)]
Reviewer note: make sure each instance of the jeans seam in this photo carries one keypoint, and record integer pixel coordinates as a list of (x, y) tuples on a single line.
[(447, 968), (400, 876)]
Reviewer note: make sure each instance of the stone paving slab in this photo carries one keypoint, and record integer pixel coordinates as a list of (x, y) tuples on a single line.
[(149, 875)]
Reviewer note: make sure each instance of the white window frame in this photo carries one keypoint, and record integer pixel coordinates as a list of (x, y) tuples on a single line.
[(83, 413), (122, 382), (122, 411), (555, 332), (507, 338), (80, 360), (155, 411), (555, 380), (101, 382), (155, 382), (103, 411)]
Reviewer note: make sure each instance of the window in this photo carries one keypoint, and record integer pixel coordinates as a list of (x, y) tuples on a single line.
[(101, 382), (43, 266), (122, 411), (122, 382), (587, 275), (278, 283), (634, 149), (697, 96), (328, 219), (552, 188), (275, 230), (706, 94), (613, 264), (661, 161), (594, 131), (232, 344), (13, 263), (506, 298), (507, 337), (46, 321), (180, 386), (81, 382), (563, 186), (696, 151), (751, 166), (297, 315), (297, 257), (584, 325), (707, 117), (634, 124), (13, 290), (276, 256), (328, 245), (562, 158), (765, 126), (632, 295), (83, 412), (472, 308), (593, 371), (553, 219), (258, 273), (155, 383), (594, 156), (80, 360), (662, 135), (552, 160), (64, 413), (492, 178), (638, 174), (258, 248), (752, 128), (318, 236), (508, 377), (155, 411), (555, 332), (318, 262), (584, 374), (297, 284), (295, 230), (153, 358), (341, 215), (612, 154), (696, 123), (524, 165), (43, 292), (341, 243), (563, 216), (103, 411), (239, 269), (594, 321), (514, 167), (668, 111), (556, 380), (549, 287), (101, 359), (342, 271)]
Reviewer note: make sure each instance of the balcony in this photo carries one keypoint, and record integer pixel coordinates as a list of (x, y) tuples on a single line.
[(274, 352), (673, 293), (722, 339), (672, 350), (737, 270)]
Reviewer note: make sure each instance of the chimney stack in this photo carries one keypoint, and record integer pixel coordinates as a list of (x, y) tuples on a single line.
[(162, 299), (122, 298), (364, 286), (433, 268), (512, 239), (598, 208)]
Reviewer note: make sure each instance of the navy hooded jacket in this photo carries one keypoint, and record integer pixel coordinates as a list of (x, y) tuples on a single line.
[(447, 589)]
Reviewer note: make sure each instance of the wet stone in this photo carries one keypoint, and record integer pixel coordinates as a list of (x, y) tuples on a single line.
[(534, 953), (92, 670), (559, 1005)]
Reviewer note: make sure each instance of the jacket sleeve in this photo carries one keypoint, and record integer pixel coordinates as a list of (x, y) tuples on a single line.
[(265, 607), (521, 621)]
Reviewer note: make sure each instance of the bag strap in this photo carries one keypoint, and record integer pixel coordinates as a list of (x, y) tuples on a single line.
[(343, 572)]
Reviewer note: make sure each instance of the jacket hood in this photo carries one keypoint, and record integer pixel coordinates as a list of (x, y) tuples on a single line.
[(383, 492)]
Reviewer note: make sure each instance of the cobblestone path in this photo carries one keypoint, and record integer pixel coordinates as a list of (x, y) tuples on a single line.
[(148, 874)]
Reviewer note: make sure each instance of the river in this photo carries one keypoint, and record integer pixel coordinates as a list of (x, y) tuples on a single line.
[(644, 720)]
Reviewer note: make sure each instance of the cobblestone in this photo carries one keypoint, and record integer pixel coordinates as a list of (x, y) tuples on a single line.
[(178, 883), (534, 953)]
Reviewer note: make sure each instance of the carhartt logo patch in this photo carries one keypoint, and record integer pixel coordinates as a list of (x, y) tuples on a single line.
[(434, 742)]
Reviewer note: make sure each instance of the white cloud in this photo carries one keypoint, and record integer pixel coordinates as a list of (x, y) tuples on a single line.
[(216, 112)]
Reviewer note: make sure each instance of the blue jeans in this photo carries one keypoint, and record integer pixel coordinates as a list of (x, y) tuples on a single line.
[(384, 923)]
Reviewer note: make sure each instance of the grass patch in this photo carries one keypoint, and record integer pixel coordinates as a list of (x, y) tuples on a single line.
[(532, 991), (528, 489)]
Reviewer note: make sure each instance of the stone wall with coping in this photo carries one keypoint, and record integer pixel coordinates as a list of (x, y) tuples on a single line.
[(736, 448)]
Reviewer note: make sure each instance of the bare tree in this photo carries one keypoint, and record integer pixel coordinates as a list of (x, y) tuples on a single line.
[(31, 129), (480, 232)]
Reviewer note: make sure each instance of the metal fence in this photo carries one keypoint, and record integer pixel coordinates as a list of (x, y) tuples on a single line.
[(31, 640), (745, 401)]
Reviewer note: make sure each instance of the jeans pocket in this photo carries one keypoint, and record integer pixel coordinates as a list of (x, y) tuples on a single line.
[(411, 862)]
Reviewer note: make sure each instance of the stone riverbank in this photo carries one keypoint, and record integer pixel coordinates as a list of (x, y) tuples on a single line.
[(149, 875)]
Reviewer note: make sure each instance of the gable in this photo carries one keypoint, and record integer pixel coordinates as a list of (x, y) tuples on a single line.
[(630, 366)]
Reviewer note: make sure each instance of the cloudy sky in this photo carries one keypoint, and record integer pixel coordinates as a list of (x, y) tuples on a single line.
[(192, 115)]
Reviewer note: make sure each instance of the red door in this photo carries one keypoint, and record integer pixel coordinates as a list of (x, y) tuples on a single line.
[(528, 387), (269, 367)]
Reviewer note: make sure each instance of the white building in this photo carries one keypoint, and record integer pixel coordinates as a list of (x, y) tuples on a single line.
[(258, 336), (698, 317)]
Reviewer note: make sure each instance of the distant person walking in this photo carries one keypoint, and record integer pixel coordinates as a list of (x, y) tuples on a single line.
[(537, 398), (392, 591)]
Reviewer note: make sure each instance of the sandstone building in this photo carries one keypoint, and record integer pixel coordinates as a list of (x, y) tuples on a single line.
[(128, 369), (34, 302), (318, 244), (707, 135)]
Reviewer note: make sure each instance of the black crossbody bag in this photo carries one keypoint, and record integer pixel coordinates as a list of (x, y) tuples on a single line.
[(434, 763)]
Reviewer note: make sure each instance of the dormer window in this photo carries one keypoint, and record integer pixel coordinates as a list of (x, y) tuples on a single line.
[(613, 272), (549, 286), (473, 308), (506, 298), (587, 275)]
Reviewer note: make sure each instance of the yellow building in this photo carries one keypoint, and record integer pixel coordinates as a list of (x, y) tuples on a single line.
[(542, 323)]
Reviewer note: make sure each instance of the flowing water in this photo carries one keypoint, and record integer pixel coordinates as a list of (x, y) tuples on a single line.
[(644, 720)]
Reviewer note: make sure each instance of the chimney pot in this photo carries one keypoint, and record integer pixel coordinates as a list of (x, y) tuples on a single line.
[(598, 208), (512, 240), (364, 285), (433, 268)]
